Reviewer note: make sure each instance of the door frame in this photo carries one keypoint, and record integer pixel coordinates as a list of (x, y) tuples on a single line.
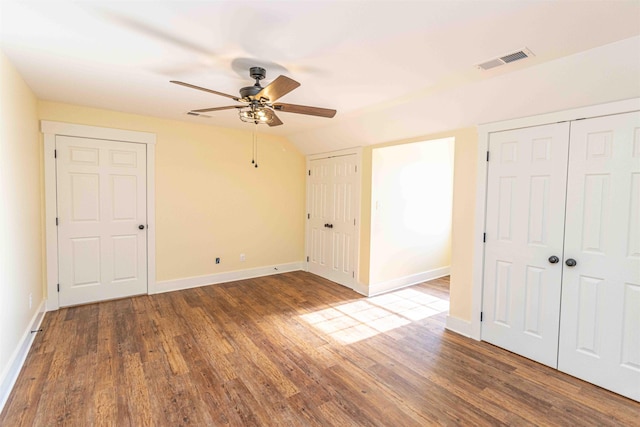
[(484, 132), (52, 129), (355, 283)]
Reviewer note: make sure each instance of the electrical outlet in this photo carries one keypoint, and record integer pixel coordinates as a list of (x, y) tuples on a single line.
[(242, 258), (30, 299), (218, 260)]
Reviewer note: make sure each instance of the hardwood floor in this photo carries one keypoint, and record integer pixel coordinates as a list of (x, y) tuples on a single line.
[(291, 349)]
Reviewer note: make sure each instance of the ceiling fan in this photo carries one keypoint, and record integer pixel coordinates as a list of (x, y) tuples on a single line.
[(258, 104)]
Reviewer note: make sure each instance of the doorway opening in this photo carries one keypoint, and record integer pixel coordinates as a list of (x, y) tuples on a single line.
[(411, 211)]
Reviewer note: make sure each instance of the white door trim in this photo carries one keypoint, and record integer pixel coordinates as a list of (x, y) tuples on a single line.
[(50, 130), (484, 132), (358, 200)]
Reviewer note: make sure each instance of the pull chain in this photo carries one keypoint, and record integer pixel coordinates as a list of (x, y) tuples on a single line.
[(253, 147), (255, 144)]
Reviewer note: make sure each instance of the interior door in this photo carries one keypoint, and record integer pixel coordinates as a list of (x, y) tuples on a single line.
[(318, 217), (524, 231), (600, 325), (332, 224), (101, 206)]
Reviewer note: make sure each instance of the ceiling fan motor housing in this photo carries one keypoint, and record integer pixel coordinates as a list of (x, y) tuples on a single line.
[(249, 91), (256, 73)]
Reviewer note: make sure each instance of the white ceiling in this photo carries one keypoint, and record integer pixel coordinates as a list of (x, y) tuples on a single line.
[(392, 69)]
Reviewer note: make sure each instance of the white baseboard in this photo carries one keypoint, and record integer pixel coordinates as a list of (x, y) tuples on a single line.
[(9, 377), (229, 276), (459, 326), (361, 289), (51, 305), (401, 282)]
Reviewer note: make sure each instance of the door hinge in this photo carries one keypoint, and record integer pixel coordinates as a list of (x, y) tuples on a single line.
[(58, 287), (56, 221), (354, 221), (481, 316), (308, 216), (309, 172), (307, 259), (353, 274), (487, 156), (55, 154), (484, 237), (356, 168)]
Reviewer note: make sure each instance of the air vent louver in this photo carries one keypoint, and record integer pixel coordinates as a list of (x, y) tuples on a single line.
[(491, 64), (514, 57), (505, 59)]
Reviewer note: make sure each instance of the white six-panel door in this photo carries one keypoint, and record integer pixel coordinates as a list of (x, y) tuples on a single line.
[(525, 201), (581, 313), (332, 225), (600, 325), (319, 200), (101, 206)]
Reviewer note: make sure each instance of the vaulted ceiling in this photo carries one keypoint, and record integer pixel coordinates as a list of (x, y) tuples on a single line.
[(392, 69)]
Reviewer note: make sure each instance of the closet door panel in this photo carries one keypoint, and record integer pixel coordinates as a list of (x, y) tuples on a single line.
[(331, 204), (600, 324), (525, 226)]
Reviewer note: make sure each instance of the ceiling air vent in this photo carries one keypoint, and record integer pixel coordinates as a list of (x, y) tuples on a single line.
[(506, 59)]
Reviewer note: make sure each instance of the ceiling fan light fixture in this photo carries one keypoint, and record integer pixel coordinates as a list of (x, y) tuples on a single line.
[(256, 114)]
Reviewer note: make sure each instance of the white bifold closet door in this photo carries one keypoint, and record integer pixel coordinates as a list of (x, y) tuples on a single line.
[(600, 322), (332, 225), (525, 227), (562, 255)]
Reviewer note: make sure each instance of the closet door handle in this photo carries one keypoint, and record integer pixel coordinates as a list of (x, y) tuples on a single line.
[(553, 259), (571, 262)]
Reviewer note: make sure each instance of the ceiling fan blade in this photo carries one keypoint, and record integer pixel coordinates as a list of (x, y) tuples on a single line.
[(228, 107), (275, 120), (277, 88), (235, 98), (303, 109)]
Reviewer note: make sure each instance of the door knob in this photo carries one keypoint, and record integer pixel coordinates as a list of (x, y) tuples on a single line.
[(553, 259), (141, 227), (571, 262)]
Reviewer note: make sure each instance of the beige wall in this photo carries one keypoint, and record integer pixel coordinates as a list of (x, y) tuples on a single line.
[(464, 203), (464, 186), (210, 201), (20, 212)]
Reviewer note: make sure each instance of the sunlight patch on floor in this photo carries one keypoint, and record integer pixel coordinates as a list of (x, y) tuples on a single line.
[(354, 321)]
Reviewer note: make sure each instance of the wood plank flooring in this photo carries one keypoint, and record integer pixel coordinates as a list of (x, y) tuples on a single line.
[(288, 350)]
